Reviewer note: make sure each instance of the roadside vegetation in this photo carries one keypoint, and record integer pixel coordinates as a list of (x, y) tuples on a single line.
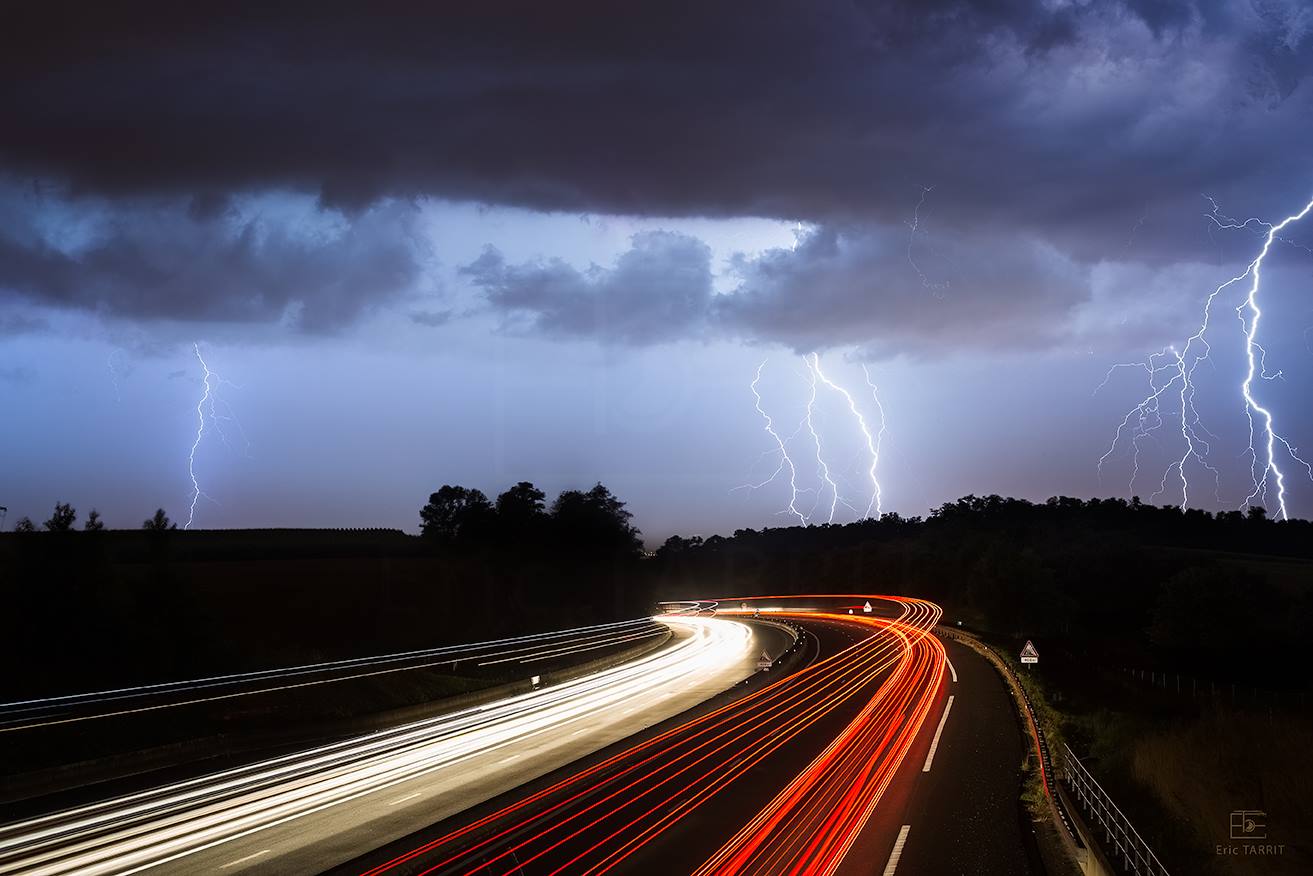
[(1171, 642)]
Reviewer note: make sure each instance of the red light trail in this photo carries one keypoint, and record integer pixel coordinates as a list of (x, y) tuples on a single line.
[(596, 819)]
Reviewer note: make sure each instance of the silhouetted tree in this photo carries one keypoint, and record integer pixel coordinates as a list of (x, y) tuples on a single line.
[(94, 523), (521, 514), (455, 512), (24, 524), (677, 545), (595, 521), (62, 519), (159, 522), (522, 502)]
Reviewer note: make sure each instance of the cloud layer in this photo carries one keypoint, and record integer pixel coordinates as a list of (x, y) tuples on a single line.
[(1050, 132), (170, 261)]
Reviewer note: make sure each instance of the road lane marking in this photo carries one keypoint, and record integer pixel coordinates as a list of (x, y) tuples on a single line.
[(508, 759), (898, 851), (951, 669), (247, 858), (404, 799), (934, 743), (580, 730)]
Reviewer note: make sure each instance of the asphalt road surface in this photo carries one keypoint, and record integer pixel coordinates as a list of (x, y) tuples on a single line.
[(962, 816)]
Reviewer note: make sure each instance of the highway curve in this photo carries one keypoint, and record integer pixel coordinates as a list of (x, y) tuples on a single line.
[(780, 780)]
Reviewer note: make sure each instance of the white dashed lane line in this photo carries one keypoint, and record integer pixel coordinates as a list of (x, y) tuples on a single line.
[(934, 743), (898, 851)]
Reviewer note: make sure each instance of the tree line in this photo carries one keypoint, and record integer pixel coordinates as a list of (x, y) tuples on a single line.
[(1111, 579), (591, 521), (65, 516)]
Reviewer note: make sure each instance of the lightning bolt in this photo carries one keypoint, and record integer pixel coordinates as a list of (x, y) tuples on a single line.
[(936, 288), (820, 460), (200, 433), (1250, 304), (879, 407), (785, 463), (781, 447), (208, 412), (1170, 370), (871, 447)]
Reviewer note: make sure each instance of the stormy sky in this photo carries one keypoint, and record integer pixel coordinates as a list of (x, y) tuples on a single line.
[(505, 241)]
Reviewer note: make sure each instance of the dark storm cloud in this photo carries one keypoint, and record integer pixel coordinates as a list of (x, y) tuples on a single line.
[(1039, 115), (858, 288), (836, 288), (1047, 130), (657, 290), (176, 262)]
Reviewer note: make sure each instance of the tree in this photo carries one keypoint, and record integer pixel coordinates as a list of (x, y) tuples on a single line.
[(62, 519), (678, 545), (159, 522), (25, 524), (521, 514), (595, 521), (522, 502), (455, 512), (94, 523)]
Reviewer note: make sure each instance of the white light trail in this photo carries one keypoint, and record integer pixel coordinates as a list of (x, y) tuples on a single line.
[(357, 780)]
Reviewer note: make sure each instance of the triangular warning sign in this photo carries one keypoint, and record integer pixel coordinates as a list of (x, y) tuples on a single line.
[(867, 607), (764, 661), (1029, 650)]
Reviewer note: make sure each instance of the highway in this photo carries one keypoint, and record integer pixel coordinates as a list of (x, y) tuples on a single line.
[(876, 748), (826, 769), (957, 809), (780, 780), (309, 811)]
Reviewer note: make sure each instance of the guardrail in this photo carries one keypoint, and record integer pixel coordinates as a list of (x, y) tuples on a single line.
[(1124, 845)]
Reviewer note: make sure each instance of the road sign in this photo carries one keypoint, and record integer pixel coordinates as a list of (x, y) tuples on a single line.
[(764, 662), (867, 607), (1029, 654), (743, 606)]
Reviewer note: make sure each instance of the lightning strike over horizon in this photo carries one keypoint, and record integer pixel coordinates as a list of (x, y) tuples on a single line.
[(871, 447), (207, 412), (1180, 370), (825, 471), (781, 447), (820, 460)]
